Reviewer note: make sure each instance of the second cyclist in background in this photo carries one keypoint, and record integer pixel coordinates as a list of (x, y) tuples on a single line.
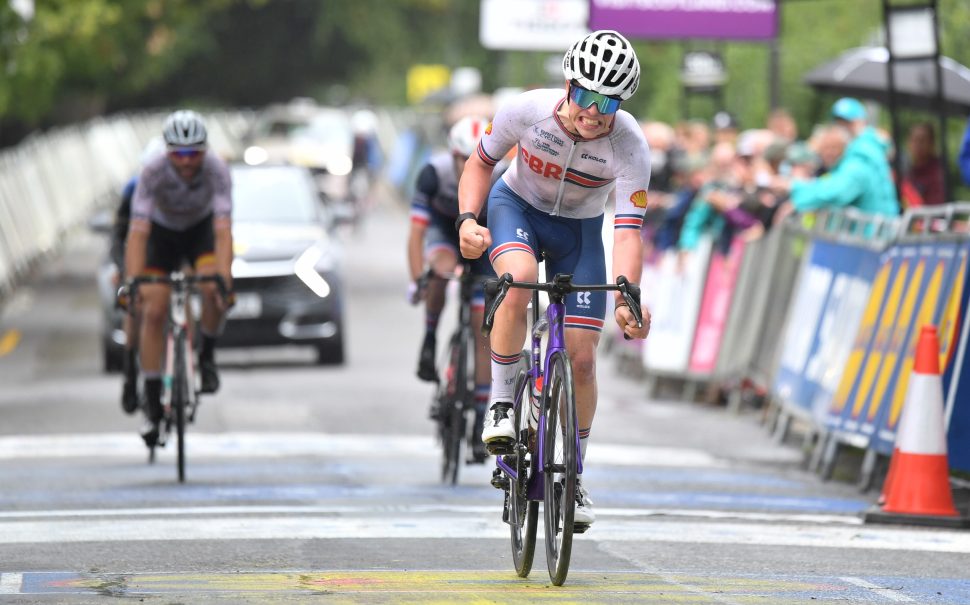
[(433, 242), (181, 213)]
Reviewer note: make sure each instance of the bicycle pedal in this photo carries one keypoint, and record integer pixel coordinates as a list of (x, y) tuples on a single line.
[(499, 480), (580, 528), (500, 447)]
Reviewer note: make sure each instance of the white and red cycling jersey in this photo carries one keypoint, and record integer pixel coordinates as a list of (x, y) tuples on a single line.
[(562, 173)]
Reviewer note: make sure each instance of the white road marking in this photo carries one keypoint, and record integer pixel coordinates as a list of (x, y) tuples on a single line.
[(416, 509), (281, 445), (394, 525), (888, 593), (10, 583)]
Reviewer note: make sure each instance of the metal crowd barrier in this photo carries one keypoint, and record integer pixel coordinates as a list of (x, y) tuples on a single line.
[(821, 317)]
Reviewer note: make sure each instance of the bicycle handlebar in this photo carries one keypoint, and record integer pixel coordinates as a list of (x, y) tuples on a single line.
[(130, 288), (561, 285)]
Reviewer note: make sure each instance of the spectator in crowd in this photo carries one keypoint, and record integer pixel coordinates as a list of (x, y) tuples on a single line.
[(703, 217), (925, 169), (782, 125), (829, 143), (661, 138), (861, 178), (964, 158), (690, 172), (725, 128)]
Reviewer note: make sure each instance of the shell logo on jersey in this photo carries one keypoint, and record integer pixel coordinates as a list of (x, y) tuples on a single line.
[(639, 198), (488, 129)]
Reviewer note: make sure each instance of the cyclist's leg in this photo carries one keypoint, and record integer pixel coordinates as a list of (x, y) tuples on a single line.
[(585, 313), (441, 255), (162, 257), (201, 242), (483, 362), (511, 252)]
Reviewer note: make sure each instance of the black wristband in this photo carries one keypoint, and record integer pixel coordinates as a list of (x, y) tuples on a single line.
[(464, 216), (622, 303)]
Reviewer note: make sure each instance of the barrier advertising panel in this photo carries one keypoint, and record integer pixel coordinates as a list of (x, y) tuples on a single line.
[(955, 334), (715, 305), (926, 298), (827, 296), (674, 303)]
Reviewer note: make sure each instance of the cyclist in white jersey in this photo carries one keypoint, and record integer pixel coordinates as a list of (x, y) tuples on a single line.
[(574, 149), (180, 213)]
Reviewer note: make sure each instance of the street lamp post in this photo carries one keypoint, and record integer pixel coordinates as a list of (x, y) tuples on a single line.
[(913, 34)]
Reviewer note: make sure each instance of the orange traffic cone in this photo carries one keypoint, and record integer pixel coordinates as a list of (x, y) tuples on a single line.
[(917, 488)]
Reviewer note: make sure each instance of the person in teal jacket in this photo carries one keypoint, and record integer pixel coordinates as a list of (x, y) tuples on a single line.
[(862, 178)]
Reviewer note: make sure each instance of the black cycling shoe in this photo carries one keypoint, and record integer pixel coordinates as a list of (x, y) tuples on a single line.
[(129, 395), (479, 454), (426, 369), (149, 433), (210, 375)]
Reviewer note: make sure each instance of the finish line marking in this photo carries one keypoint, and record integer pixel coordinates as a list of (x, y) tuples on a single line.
[(589, 586)]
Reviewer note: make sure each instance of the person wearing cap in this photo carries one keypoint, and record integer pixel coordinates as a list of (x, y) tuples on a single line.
[(861, 178)]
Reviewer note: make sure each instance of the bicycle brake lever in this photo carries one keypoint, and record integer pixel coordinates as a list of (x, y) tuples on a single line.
[(495, 291), (631, 294)]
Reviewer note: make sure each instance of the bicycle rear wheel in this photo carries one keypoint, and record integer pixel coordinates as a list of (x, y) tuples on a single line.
[(559, 465), (523, 514)]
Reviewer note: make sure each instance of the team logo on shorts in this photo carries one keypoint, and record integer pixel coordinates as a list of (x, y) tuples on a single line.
[(639, 198), (488, 129)]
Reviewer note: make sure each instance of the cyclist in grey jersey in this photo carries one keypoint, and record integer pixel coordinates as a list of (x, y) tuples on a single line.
[(180, 214), (574, 148)]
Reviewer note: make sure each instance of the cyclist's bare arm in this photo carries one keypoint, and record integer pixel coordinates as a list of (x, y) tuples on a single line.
[(628, 261), (473, 188), (416, 249)]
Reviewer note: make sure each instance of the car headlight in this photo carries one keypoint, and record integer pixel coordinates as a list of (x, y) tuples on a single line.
[(255, 156), (308, 267)]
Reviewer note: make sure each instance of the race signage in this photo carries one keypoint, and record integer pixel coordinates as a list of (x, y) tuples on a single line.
[(677, 19), (532, 24)]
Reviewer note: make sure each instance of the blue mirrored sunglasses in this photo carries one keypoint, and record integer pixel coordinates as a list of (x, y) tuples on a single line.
[(587, 98), (185, 153)]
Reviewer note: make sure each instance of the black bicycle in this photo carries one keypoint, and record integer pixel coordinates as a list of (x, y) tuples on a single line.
[(180, 379), (454, 398), (542, 462)]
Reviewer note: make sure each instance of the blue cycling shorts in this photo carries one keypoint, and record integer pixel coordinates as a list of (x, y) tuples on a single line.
[(567, 245)]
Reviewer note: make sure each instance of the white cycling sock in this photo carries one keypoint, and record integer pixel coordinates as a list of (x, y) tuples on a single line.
[(504, 368)]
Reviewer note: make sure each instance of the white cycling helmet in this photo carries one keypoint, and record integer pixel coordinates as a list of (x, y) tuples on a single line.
[(184, 128), (604, 62), (464, 136)]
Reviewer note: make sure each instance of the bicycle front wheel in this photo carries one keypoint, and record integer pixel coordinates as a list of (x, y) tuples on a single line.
[(559, 465), (180, 395), (523, 514), (451, 415)]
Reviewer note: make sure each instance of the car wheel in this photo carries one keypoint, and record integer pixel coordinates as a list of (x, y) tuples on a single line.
[(331, 352), (113, 359)]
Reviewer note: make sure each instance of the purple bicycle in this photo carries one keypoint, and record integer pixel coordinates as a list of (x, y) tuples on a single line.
[(543, 462)]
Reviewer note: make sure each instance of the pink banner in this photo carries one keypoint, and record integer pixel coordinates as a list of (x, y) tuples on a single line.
[(715, 305)]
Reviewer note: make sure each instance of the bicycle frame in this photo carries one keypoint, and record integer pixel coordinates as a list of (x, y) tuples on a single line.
[(553, 321)]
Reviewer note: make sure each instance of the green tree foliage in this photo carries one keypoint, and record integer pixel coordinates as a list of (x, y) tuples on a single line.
[(80, 57)]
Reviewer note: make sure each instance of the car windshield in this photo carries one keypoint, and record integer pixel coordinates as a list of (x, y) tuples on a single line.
[(278, 194), (330, 128)]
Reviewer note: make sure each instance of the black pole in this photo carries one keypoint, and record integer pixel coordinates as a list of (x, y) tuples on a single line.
[(891, 81), (940, 108)]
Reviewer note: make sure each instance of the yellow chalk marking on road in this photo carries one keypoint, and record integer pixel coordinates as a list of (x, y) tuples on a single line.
[(9, 342), (466, 586)]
